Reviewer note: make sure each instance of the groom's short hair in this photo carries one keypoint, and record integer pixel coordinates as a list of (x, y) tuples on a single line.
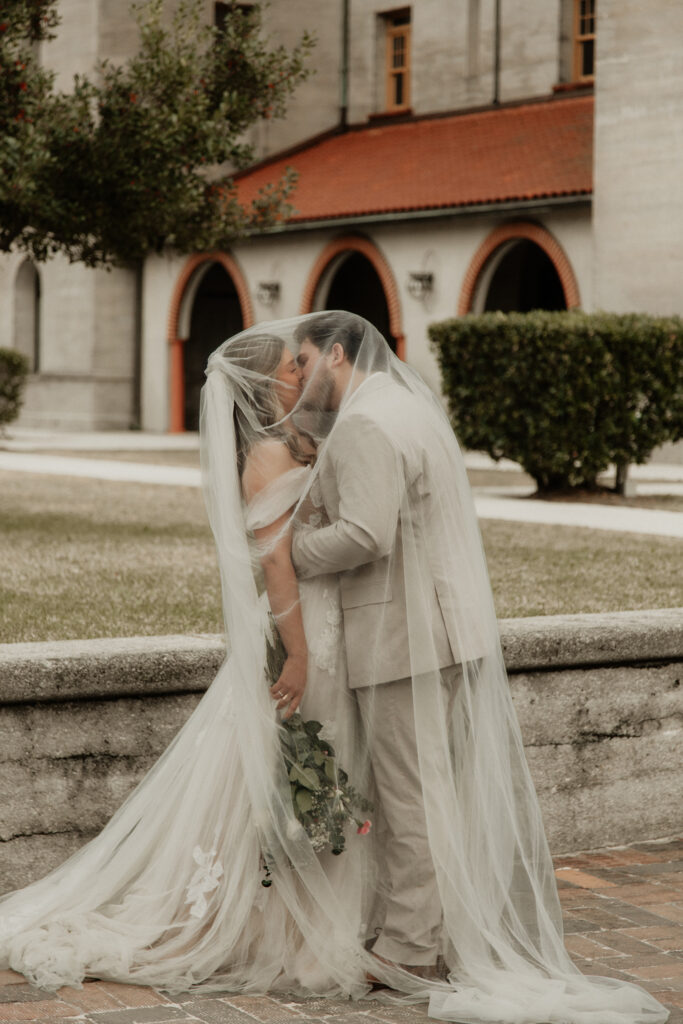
[(325, 329)]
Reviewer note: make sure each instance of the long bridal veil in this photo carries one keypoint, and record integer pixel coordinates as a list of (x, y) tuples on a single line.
[(170, 892)]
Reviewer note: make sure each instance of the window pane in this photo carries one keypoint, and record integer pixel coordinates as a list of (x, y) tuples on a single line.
[(588, 57), (398, 90), (220, 13), (399, 52), (587, 17)]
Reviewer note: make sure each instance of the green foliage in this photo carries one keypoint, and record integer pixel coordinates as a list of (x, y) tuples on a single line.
[(25, 98), (322, 797), (564, 394), (141, 157), (13, 371)]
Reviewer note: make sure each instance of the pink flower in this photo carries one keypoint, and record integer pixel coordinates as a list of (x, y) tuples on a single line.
[(364, 828)]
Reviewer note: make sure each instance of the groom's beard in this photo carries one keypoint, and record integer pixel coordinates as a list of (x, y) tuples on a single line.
[(319, 390)]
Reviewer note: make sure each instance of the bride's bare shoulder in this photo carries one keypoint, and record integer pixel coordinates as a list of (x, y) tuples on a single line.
[(266, 461)]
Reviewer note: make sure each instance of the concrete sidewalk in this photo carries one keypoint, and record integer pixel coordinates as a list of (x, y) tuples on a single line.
[(649, 471), (100, 469), (25, 439), (489, 505), (623, 917), (655, 522)]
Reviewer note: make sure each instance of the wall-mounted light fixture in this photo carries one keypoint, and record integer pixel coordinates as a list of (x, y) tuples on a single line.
[(268, 292), (420, 283)]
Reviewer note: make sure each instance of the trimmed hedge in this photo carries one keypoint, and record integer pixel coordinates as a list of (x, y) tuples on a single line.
[(564, 394), (13, 372)]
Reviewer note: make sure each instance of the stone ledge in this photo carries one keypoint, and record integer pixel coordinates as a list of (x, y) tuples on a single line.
[(597, 696), (609, 638), (108, 668), (161, 665)]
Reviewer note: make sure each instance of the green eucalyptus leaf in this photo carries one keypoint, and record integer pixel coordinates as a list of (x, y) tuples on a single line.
[(305, 776), (304, 800)]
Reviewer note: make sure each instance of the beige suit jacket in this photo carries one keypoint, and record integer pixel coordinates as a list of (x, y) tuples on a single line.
[(380, 476)]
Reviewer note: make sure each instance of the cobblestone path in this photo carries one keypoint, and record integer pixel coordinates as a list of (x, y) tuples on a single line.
[(623, 913)]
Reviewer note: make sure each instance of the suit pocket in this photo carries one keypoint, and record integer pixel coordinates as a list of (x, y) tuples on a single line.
[(369, 593)]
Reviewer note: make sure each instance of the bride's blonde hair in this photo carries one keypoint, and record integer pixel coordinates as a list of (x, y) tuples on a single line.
[(261, 355)]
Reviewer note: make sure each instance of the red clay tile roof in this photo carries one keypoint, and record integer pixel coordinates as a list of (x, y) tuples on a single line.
[(520, 152)]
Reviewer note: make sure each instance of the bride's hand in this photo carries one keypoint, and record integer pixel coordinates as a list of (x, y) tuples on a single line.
[(289, 688)]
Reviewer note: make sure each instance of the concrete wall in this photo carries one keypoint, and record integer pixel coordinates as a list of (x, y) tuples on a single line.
[(86, 346), (638, 205), (598, 697), (85, 378)]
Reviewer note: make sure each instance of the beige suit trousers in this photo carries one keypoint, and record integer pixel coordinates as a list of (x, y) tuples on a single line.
[(410, 933)]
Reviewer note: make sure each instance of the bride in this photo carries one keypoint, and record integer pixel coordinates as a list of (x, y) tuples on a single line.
[(170, 894)]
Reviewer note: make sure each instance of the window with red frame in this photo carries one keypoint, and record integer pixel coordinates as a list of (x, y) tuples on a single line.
[(397, 30), (584, 40)]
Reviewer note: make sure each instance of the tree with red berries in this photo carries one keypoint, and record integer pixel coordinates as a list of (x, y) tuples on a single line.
[(137, 158)]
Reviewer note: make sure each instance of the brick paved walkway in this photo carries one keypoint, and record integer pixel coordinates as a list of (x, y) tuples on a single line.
[(623, 911)]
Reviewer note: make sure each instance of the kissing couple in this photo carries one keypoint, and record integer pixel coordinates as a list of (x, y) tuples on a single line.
[(341, 511)]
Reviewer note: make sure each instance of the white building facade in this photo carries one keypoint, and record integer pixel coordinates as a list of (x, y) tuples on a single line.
[(453, 156)]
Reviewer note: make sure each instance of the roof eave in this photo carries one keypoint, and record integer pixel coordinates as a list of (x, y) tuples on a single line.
[(537, 205)]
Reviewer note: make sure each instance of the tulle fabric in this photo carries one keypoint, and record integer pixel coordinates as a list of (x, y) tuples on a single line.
[(393, 586), (169, 894)]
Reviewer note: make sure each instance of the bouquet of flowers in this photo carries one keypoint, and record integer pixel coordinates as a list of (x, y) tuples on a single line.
[(323, 799)]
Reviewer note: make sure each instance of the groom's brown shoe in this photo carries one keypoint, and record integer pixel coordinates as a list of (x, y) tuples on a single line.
[(428, 972)]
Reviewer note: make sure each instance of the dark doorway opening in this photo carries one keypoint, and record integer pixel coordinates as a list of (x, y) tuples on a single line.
[(525, 279), (216, 315), (356, 286)]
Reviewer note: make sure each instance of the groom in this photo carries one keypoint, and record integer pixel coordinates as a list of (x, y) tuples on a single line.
[(373, 469)]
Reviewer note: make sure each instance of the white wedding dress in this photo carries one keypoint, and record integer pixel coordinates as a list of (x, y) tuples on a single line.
[(169, 894)]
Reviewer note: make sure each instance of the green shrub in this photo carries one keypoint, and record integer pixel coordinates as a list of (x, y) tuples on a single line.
[(13, 371), (564, 394)]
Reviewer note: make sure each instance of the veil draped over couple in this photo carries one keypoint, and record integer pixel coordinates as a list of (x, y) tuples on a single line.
[(342, 513)]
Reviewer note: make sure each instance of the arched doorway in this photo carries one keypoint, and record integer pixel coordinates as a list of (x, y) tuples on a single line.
[(27, 314), (351, 273), (216, 315), (354, 284), (519, 266), (522, 278), (210, 302)]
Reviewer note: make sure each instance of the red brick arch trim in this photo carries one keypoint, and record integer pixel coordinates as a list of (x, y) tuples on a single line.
[(519, 230), (356, 243), (176, 360)]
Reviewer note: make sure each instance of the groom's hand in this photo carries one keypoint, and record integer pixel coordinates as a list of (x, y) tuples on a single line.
[(289, 688)]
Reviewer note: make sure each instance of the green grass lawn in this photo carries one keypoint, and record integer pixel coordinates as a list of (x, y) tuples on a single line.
[(90, 558)]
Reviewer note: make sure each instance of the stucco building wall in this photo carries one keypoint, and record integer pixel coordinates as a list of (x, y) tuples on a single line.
[(443, 246), (638, 197), (625, 254)]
